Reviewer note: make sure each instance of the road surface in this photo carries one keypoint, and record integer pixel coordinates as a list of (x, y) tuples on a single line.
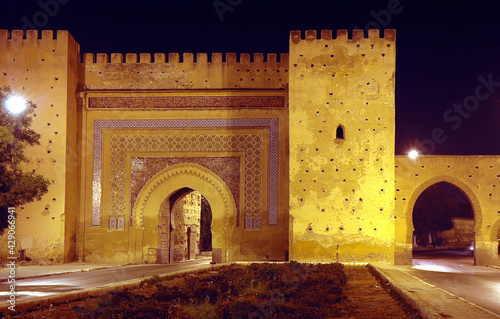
[(54, 284), (454, 272)]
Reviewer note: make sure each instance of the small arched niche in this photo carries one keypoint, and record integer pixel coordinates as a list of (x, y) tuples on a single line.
[(340, 132)]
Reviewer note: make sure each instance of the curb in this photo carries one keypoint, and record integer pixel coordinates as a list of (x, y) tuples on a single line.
[(56, 299), (425, 313), (493, 266)]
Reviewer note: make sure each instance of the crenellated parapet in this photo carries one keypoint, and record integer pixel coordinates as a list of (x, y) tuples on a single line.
[(343, 35), (30, 35), (162, 71), (363, 65), (343, 50), (36, 42)]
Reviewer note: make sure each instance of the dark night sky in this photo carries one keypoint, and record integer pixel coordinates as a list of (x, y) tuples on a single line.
[(442, 48)]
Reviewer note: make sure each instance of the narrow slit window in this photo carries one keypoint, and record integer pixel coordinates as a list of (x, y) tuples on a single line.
[(340, 132)]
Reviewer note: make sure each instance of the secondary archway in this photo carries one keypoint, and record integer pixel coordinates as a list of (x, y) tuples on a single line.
[(167, 182), (443, 223), (476, 208)]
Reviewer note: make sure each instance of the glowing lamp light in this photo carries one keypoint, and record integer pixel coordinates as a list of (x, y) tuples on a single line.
[(15, 104), (413, 154)]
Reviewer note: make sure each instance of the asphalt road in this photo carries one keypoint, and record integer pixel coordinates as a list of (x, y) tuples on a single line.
[(54, 284), (454, 272)]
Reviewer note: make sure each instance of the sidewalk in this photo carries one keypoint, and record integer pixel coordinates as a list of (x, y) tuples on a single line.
[(39, 271), (431, 301)]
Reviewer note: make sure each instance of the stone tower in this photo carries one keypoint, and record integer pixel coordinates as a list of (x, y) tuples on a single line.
[(43, 67), (342, 126)]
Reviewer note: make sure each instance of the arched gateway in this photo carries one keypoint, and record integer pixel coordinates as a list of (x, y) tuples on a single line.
[(168, 181), (475, 176), (452, 181)]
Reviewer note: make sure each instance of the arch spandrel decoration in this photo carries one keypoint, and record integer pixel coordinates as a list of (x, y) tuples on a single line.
[(200, 172), (253, 210), (227, 168), (476, 207)]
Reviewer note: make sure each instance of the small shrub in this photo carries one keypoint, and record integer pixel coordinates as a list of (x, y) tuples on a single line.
[(240, 309), (169, 293), (202, 311), (204, 294), (155, 279)]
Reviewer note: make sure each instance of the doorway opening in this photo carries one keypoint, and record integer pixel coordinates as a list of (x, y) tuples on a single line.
[(443, 223), (185, 227)]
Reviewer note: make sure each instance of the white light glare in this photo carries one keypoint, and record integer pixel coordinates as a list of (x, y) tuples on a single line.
[(436, 268), (15, 104), (413, 154)]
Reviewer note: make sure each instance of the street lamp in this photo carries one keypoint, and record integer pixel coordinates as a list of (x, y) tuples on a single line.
[(413, 154), (16, 104)]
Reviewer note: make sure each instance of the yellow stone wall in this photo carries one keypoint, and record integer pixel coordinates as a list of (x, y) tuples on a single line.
[(42, 67), (478, 177), (269, 242), (104, 72), (146, 84), (341, 190), (338, 199)]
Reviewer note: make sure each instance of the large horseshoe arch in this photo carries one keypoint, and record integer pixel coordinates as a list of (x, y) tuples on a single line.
[(168, 181)]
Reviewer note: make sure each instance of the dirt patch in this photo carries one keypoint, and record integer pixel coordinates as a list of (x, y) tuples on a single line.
[(370, 297), (292, 290)]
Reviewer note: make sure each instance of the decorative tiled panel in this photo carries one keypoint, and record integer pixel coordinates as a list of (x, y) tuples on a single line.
[(121, 223), (227, 168), (187, 102), (112, 222), (212, 143), (250, 144)]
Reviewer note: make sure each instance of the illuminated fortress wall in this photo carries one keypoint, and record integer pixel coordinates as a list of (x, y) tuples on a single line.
[(43, 68), (224, 121), (342, 146), (294, 154)]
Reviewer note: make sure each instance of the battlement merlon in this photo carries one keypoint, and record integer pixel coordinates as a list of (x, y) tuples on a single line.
[(193, 71), (46, 42), (32, 36), (342, 35), (271, 59)]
